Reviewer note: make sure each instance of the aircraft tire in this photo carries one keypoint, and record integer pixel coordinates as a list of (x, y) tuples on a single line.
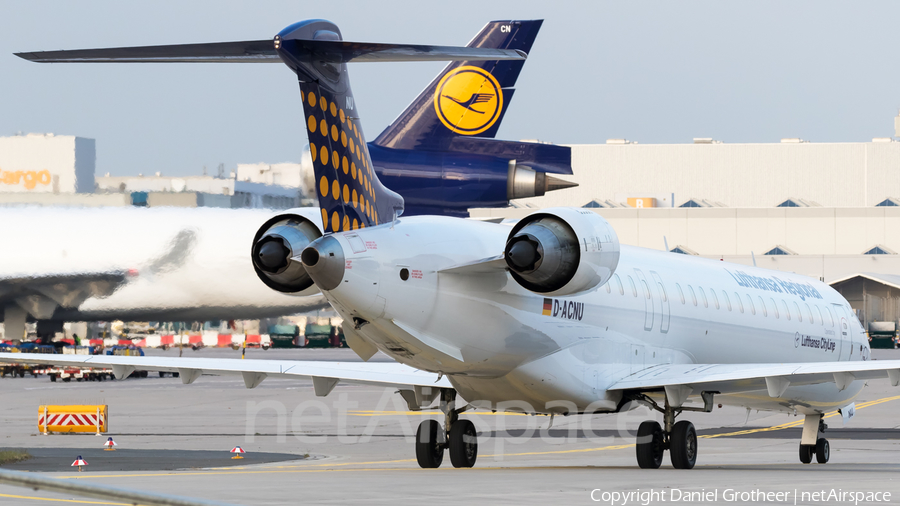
[(429, 450), (806, 453), (683, 445), (823, 450), (463, 444), (649, 447)]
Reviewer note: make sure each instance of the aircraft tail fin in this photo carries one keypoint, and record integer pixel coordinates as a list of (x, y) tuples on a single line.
[(349, 192), (467, 98)]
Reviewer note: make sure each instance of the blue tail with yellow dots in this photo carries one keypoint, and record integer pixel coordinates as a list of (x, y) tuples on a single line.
[(349, 192), (350, 195), (468, 98)]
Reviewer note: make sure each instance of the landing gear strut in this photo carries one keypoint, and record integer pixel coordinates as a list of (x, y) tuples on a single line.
[(680, 438), (810, 442), (457, 435)]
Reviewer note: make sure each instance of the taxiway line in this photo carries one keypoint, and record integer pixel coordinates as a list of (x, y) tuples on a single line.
[(330, 466)]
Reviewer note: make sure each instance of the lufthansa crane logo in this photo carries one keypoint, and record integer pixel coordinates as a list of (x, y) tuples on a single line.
[(468, 100)]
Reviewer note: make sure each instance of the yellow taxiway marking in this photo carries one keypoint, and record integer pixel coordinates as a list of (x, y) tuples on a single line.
[(33, 498), (330, 466), (796, 423), (429, 412)]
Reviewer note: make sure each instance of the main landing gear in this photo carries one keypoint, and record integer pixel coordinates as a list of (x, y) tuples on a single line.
[(458, 436), (810, 442), (680, 438)]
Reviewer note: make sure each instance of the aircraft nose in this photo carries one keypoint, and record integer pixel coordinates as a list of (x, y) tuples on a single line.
[(324, 261)]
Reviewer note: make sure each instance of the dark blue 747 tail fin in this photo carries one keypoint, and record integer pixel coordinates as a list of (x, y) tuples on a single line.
[(468, 98)]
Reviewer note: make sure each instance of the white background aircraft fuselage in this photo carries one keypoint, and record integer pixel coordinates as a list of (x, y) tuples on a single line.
[(494, 341), (185, 264)]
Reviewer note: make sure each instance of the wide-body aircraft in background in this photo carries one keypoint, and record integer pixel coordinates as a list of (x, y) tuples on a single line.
[(550, 315), (181, 264)]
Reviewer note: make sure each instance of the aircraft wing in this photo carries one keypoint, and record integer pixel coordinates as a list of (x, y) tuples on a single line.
[(325, 375), (40, 296), (776, 378)]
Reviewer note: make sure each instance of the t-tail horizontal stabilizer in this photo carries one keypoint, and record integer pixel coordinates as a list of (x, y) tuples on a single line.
[(266, 51)]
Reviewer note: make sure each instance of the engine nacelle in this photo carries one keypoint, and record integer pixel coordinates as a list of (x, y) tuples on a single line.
[(275, 247), (562, 251)]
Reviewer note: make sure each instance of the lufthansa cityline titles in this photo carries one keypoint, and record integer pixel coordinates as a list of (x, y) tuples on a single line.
[(774, 284)]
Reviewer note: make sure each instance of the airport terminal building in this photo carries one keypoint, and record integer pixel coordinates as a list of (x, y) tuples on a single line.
[(48, 169)]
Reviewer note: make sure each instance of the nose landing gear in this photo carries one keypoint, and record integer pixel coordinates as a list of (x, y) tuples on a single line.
[(810, 442), (458, 436)]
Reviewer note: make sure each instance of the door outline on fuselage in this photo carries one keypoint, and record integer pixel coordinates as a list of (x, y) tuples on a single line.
[(664, 303), (649, 306), (843, 333)]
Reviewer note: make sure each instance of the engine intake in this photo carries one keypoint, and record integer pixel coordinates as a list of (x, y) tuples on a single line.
[(562, 251), (275, 247)]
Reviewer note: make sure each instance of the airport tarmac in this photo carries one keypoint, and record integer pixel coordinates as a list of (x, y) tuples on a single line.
[(356, 445)]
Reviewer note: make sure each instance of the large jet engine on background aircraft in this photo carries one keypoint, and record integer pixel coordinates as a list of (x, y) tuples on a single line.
[(276, 244), (562, 251)]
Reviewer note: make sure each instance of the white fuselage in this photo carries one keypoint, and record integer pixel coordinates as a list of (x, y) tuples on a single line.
[(187, 264), (497, 344)]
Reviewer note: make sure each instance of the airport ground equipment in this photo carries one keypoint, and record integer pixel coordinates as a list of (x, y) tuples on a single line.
[(20, 370), (284, 336), (73, 419), (238, 452), (883, 334), (69, 373), (109, 445)]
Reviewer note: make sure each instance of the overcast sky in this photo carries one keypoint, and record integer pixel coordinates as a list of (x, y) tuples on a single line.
[(655, 72)]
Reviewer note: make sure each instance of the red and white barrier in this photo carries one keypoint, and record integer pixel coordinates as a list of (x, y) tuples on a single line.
[(210, 339)]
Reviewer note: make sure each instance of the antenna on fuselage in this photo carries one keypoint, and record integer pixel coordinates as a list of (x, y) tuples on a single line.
[(665, 243), (754, 258)]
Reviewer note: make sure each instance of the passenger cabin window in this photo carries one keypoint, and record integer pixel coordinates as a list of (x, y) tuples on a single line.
[(809, 313), (787, 312), (830, 317), (633, 288), (775, 307), (727, 300), (619, 284), (703, 296), (750, 304), (715, 299), (819, 314), (608, 289), (797, 309), (762, 306), (646, 288), (680, 293), (662, 292), (693, 295)]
